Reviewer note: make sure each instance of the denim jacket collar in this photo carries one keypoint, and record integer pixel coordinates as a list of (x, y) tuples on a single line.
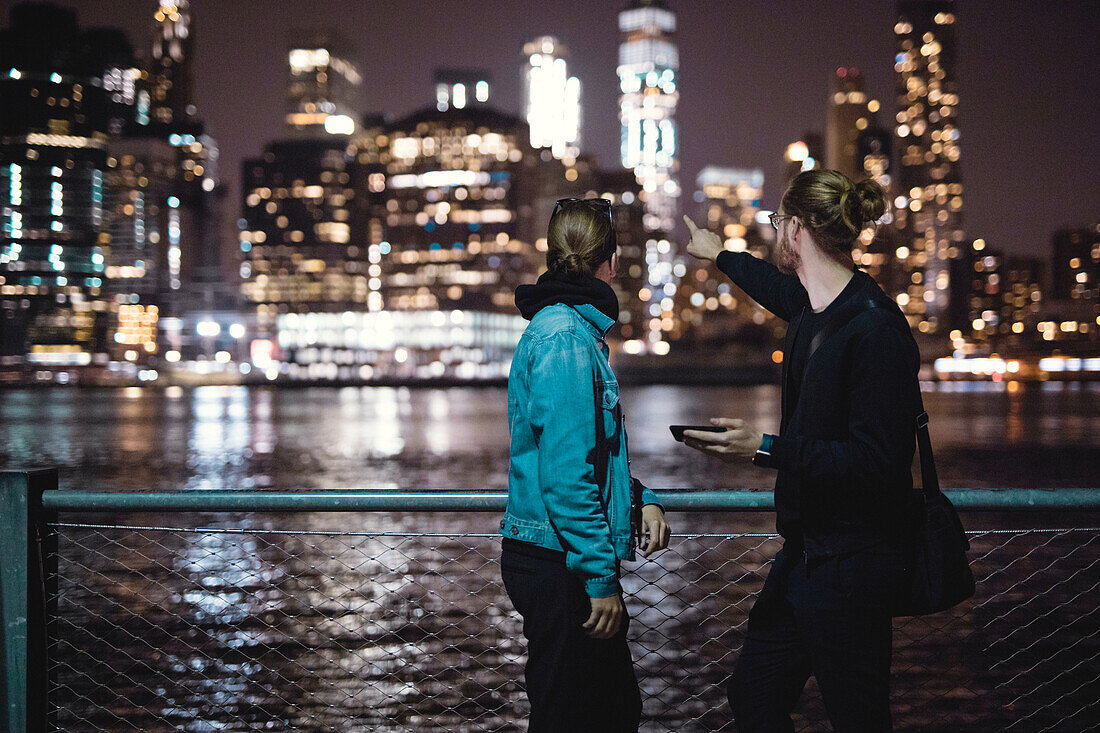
[(594, 317)]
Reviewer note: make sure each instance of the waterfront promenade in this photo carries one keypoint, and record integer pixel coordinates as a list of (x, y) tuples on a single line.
[(273, 614)]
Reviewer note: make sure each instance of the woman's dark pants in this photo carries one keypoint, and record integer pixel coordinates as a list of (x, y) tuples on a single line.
[(575, 683)]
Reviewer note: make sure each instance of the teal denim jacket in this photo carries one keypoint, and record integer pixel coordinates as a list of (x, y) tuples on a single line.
[(553, 497)]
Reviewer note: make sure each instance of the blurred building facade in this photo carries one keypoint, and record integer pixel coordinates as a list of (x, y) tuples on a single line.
[(729, 202), (108, 170), (1073, 312), (461, 88), (847, 106), (1077, 264), (978, 280), (929, 202), (323, 85), (648, 77), (1022, 300), (57, 116), (168, 205), (551, 97), (170, 74)]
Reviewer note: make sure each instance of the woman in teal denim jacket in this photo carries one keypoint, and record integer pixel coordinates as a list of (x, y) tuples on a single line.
[(569, 520)]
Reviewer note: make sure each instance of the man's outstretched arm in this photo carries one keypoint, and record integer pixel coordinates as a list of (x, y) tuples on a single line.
[(762, 281)]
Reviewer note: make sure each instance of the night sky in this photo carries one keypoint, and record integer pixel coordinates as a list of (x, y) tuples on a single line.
[(754, 76)]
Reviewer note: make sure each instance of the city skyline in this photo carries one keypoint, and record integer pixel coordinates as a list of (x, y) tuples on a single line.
[(1024, 178), (392, 220)]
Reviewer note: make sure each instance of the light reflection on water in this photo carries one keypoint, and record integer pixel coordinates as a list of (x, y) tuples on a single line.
[(985, 434)]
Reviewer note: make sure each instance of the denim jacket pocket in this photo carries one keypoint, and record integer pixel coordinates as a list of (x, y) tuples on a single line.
[(610, 396), (612, 410), (522, 529)]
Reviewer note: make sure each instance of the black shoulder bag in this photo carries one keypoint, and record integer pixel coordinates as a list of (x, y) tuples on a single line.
[(938, 574)]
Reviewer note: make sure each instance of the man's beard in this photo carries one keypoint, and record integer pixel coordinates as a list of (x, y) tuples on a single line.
[(786, 259)]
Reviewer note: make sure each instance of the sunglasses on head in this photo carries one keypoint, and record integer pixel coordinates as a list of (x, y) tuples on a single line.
[(601, 204)]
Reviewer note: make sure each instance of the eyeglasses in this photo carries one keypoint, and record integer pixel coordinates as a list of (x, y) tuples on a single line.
[(775, 217)]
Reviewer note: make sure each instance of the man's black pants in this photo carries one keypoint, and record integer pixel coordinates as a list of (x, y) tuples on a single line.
[(831, 620), (575, 683)]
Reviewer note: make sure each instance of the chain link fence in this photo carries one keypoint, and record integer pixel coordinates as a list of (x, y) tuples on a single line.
[(241, 628)]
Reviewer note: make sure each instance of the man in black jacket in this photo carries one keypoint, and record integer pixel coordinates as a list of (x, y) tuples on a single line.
[(850, 398)]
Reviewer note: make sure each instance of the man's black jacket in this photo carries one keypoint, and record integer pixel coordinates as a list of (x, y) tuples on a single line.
[(845, 449)]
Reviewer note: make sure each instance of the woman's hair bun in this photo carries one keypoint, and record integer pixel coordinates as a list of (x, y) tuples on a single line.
[(571, 262)]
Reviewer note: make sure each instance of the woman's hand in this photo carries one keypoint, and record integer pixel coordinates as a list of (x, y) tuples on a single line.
[(607, 614), (704, 244), (654, 529), (738, 441)]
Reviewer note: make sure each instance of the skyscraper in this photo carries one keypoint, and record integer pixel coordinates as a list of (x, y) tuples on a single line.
[(874, 144), (978, 281), (454, 190), (928, 201), (859, 147), (648, 66), (461, 88), (847, 106), (1077, 264), (1023, 297), (109, 172), (622, 189), (551, 98), (1071, 315), (295, 242), (141, 234), (54, 123), (323, 85), (170, 70), (166, 204), (730, 200)]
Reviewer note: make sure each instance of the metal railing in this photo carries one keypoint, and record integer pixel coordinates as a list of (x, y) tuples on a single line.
[(383, 611)]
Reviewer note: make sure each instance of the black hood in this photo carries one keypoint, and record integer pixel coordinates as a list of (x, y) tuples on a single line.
[(569, 289)]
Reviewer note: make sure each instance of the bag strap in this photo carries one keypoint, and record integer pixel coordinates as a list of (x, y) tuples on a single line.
[(599, 461), (792, 336), (930, 480), (841, 318)]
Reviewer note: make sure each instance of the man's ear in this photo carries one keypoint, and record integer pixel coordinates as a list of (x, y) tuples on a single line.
[(798, 236)]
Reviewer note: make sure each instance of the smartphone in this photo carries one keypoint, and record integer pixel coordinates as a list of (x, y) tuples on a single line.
[(678, 430)]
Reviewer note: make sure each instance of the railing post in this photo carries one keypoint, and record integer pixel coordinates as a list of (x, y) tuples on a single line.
[(28, 592)]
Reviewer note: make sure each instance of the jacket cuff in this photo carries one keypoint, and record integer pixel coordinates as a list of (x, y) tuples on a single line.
[(602, 587), (784, 452), (649, 497), (727, 254)]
